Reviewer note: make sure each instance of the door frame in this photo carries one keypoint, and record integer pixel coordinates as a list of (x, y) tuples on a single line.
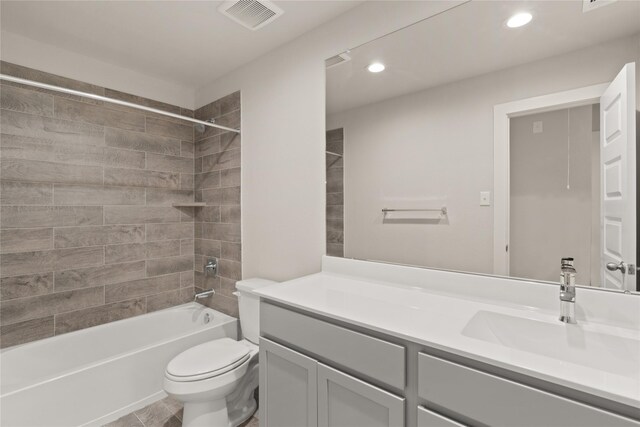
[(502, 113)]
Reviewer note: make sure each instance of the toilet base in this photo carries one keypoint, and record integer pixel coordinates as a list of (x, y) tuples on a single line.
[(241, 403), (209, 413), (241, 415), (215, 414)]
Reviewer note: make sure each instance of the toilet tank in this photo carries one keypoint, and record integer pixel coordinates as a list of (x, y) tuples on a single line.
[(249, 307)]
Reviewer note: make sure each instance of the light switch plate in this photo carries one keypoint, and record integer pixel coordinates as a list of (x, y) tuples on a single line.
[(537, 127), (485, 198)]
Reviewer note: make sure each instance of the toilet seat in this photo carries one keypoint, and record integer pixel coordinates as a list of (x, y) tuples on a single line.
[(208, 360)]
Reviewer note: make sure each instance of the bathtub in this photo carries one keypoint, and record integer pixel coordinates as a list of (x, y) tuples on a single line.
[(96, 375)]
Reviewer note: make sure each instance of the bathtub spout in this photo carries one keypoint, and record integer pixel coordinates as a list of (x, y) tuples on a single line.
[(203, 294)]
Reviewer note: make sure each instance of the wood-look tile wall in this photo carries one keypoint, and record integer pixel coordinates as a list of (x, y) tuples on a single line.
[(335, 192), (87, 231), (217, 182)]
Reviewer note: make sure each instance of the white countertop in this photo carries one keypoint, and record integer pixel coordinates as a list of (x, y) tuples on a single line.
[(437, 319)]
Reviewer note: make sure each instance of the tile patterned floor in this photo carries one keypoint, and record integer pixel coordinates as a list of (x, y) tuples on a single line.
[(163, 413)]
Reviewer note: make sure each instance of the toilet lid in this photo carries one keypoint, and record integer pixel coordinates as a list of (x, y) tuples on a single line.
[(208, 359)]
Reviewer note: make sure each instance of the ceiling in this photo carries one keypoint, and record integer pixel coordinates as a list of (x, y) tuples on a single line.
[(470, 40), (185, 42)]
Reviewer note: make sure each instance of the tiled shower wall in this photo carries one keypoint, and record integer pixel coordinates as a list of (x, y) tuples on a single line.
[(335, 192), (217, 183), (88, 231)]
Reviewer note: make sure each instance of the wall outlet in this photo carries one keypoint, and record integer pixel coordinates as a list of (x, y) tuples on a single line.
[(537, 127), (485, 198)]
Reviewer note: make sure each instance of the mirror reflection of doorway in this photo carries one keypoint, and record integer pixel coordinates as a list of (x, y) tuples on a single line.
[(617, 189), (554, 193)]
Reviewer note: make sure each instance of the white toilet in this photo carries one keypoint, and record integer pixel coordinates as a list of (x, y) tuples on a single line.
[(216, 380)]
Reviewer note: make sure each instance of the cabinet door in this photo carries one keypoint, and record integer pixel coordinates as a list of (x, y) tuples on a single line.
[(346, 401), (427, 418), (288, 387)]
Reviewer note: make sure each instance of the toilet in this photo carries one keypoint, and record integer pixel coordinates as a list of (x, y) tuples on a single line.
[(216, 380)]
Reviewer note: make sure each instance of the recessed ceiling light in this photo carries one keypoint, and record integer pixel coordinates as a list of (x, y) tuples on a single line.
[(375, 67), (519, 19)]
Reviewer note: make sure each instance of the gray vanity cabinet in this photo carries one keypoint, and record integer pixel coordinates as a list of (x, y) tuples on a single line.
[(298, 391), (288, 387), (315, 372), (347, 401)]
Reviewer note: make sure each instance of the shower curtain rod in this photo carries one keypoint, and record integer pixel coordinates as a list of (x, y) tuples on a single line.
[(112, 101)]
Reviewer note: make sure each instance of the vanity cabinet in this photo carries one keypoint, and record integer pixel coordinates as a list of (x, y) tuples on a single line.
[(324, 373), (381, 361), (296, 390)]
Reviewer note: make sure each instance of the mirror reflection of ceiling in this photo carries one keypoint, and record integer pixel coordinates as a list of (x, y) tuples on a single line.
[(470, 40)]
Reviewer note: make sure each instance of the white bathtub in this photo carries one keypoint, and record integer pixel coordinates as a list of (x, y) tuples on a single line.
[(95, 375)]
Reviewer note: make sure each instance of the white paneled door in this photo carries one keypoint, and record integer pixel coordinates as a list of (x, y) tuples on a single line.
[(618, 181)]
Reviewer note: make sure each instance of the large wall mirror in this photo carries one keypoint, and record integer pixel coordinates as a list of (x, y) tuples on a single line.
[(474, 142)]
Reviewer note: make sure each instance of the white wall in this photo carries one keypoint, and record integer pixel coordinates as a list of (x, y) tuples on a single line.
[(283, 137), (438, 144), (52, 59)]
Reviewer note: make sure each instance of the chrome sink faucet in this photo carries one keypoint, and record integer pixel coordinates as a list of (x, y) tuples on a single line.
[(567, 291)]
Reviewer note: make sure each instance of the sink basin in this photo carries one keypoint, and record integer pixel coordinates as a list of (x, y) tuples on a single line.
[(566, 343)]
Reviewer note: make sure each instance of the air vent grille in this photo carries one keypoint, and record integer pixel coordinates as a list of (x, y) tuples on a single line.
[(251, 14), (589, 5), (337, 60)]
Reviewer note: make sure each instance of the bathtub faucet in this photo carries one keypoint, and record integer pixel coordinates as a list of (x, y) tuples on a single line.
[(203, 294), (211, 267)]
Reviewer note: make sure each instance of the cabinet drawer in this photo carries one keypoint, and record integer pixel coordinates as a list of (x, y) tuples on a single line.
[(372, 357), (427, 418), (495, 401)]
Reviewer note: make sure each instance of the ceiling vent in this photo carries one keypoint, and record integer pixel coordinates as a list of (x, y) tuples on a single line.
[(589, 5), (252, 14), (337, 60)]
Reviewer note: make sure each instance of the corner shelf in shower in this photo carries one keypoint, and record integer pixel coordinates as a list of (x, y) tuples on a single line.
[(333, 158)]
